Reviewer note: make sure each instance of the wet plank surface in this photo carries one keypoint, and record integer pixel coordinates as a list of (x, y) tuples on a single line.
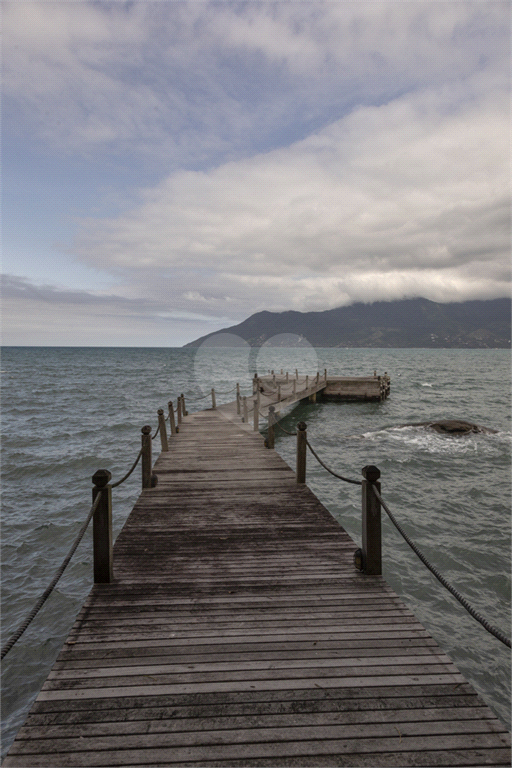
[(237, 633)]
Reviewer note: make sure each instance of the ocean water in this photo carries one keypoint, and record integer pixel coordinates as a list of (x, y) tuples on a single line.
[(69, 411)]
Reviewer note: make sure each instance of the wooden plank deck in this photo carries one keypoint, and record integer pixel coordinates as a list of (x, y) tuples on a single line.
[(238, 633)]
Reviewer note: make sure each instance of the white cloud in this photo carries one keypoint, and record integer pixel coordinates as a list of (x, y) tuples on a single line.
[(402, 192)]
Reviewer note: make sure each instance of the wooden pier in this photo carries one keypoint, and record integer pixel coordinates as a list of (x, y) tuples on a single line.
[(237, 632)]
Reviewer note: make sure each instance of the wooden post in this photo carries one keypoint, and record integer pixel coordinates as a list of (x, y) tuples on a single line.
[(146, 456), (301, 451), (172, 423), (245, 409), (317, 376), (102, 528), (178, 410), (271, 429), (214, 404), (325, 375), (256, 413), (281, 371), (238, 398), (185, 412), (278, 392), (307, 381), (296, 373), (371, 535), (287, 377), (163, 430), (255, 383)]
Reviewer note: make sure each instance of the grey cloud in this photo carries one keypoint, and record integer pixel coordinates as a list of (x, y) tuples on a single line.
[(192, 80)]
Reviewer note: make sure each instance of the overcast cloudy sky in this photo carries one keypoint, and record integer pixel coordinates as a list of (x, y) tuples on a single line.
[(172, 167)]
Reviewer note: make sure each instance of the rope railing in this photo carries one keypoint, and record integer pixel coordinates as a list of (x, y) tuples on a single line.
[(340, 477), (119, 482), (432, 568), (369, 558), (280, 426), (199, 397), (46, 594)]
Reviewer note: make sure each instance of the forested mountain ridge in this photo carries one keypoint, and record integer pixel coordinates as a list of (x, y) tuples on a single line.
[(404, 323)]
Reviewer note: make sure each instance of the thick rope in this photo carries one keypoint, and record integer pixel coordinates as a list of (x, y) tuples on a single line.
[(199, 397), (16, 636), (462, 600), (340, 477), (218, 392), (114, 485), (156, 433), (292, 434)]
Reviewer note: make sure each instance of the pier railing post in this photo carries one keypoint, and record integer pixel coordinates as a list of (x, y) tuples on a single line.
[(238, 399), (256, 413), (178, 410), (163, 430), (301, 451), (146, 456), (184, 410), (271, 439), (172, 422), (255, 384), (246, 412), (371, 533), (214, 404), (102, 528)]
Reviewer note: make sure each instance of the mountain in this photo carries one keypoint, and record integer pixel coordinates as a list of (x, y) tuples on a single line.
[(404, 323)]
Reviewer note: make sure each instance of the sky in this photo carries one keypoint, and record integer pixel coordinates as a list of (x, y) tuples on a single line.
[(170, 168)]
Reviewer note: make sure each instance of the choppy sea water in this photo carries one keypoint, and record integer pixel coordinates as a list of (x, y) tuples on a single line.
[(70, 411)]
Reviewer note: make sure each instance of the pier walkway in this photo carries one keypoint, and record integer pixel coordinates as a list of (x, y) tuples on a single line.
[(237, 632)]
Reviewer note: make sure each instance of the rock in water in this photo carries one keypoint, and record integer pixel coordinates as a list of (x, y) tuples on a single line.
[(455, 427)]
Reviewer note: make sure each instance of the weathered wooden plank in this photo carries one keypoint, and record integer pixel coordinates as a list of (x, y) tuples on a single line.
[(409, 732), (248, 685), (189, 724), (241, 751), (297, 699), (355, 665)]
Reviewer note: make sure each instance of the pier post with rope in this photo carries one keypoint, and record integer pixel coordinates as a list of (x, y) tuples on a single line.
[(102, 528), (371, 529)]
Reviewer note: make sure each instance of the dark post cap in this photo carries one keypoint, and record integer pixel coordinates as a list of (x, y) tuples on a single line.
[(271, 408), (302, 426), (371, 473), (146, 430), (101, 478), (169, 402), (160, 411)]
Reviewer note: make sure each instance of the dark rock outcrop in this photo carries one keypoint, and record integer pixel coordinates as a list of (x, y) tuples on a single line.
[(454, 427)]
